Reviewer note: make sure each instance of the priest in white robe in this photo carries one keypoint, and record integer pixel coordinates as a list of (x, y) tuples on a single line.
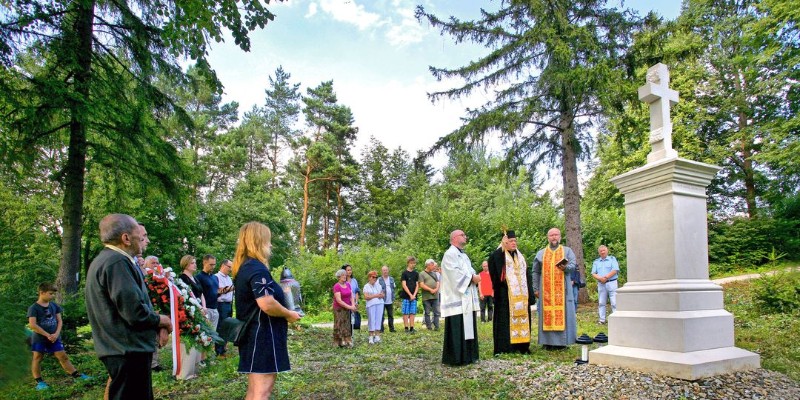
[(459, 304)]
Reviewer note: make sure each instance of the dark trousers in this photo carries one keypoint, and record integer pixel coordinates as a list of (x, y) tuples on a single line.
[(225, 311), (487, 304), (388, 312), (131, 377)]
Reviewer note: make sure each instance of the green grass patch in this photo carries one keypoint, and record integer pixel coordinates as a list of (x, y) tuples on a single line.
[(409, 365)]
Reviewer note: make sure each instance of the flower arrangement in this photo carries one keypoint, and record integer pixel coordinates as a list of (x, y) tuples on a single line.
[(195, 330)]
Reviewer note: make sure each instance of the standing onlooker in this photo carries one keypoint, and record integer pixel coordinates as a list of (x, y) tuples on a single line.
[(374, 295), (486, 292), (605, 270), (409, 280), (343, 305), (189, 268), (550, 276), (191, 357), (429, 283), (263, 351), (224, 298), (151, 265), (44, 319), (389, 289), (210, 287), (356, 316), (459, 304), (125, 328)]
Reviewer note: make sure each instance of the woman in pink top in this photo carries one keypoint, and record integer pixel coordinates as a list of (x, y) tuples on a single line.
[(343, 305)]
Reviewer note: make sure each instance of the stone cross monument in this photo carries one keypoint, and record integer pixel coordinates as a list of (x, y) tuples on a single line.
[(660, 97), (670, 318)]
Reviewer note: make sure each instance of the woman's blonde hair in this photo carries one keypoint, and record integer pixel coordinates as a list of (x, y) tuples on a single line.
[(254, 242), (186, 260)]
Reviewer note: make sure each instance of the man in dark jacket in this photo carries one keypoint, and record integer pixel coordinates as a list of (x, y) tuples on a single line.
[(125, 328)]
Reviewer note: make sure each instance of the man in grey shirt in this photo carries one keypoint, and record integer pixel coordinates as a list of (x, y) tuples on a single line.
[(125, 328)]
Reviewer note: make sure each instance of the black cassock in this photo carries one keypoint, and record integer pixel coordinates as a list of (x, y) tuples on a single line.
[(501, 330)]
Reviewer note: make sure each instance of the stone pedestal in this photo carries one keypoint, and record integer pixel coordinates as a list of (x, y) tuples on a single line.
[(670, 318)]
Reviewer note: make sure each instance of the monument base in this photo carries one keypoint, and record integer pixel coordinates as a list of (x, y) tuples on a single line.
[(690, 365)]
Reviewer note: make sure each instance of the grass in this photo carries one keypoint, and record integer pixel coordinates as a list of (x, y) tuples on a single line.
[(405, 365)]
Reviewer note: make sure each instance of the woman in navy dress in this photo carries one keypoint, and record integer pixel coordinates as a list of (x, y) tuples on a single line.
[(263, 351)]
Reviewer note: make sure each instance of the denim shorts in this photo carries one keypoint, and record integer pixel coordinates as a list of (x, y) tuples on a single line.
[(409, 307)]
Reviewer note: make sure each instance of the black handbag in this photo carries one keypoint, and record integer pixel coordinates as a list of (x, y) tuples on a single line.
[(233, 329)]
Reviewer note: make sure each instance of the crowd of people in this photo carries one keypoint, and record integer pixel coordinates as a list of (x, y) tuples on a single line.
[(128, 331), (506, 290)]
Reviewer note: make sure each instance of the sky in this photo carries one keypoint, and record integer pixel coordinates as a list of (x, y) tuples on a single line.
[(377, 55)]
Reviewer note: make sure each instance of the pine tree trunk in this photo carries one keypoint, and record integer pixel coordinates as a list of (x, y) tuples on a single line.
[(747, 169), (306, 182), (79, 41), (572, 196), (326, 218), (338, 217)]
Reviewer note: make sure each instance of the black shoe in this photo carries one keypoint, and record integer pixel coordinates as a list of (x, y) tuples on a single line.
[(392, 330), (157, 368), (411, 330)]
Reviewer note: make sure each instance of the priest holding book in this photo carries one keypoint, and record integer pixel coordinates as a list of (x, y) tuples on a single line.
[(512, 296), (550, 276)]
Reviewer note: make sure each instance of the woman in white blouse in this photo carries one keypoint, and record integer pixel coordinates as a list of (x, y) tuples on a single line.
[(373, 294)]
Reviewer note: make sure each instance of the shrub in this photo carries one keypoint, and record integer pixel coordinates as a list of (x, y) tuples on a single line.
[(779, 293)]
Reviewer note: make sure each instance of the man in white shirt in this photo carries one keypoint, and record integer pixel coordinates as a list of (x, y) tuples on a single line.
[(224, 298)]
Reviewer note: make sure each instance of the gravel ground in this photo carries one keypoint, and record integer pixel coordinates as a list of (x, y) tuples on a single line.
[(552, 381)]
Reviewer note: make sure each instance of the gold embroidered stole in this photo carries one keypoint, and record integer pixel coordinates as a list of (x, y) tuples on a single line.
[(553, 296), (517, 281)]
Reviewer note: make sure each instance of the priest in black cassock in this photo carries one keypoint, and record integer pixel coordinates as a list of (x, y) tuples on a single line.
[(513, 297)]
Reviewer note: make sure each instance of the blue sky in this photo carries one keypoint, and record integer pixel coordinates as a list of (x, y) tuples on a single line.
[(377, 55)]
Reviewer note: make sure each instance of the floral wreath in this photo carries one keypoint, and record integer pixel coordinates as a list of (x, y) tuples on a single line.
[(189, 324)]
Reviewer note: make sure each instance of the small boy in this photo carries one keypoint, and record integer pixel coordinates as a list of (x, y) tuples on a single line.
[(44, 318)]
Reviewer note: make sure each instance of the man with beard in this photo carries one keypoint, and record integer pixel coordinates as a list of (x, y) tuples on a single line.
[(552, 285)]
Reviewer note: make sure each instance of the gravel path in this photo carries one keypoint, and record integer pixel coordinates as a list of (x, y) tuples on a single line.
[(553, 381), (722, 281)]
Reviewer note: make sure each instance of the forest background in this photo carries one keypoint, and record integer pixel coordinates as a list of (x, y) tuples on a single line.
[(97, 116)]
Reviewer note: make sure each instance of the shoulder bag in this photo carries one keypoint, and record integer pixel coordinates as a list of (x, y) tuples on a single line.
[(233, 329)]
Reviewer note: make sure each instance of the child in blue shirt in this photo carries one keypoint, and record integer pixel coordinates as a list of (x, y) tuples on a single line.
[(44, 318)]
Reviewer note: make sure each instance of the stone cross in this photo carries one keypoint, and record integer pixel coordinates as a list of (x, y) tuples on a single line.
[(660, 97)]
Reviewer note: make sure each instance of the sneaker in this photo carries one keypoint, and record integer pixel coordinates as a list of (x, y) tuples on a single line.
[(377, 339), (42, 386), (371, 339), (601, 322), (411, 330), (85, 377)]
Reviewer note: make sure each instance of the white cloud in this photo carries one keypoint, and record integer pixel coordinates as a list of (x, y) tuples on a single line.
[(407, 31), (312, 10), (349, 12)]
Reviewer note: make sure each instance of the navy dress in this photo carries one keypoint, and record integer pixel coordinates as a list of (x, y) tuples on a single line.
[(263, 349)]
